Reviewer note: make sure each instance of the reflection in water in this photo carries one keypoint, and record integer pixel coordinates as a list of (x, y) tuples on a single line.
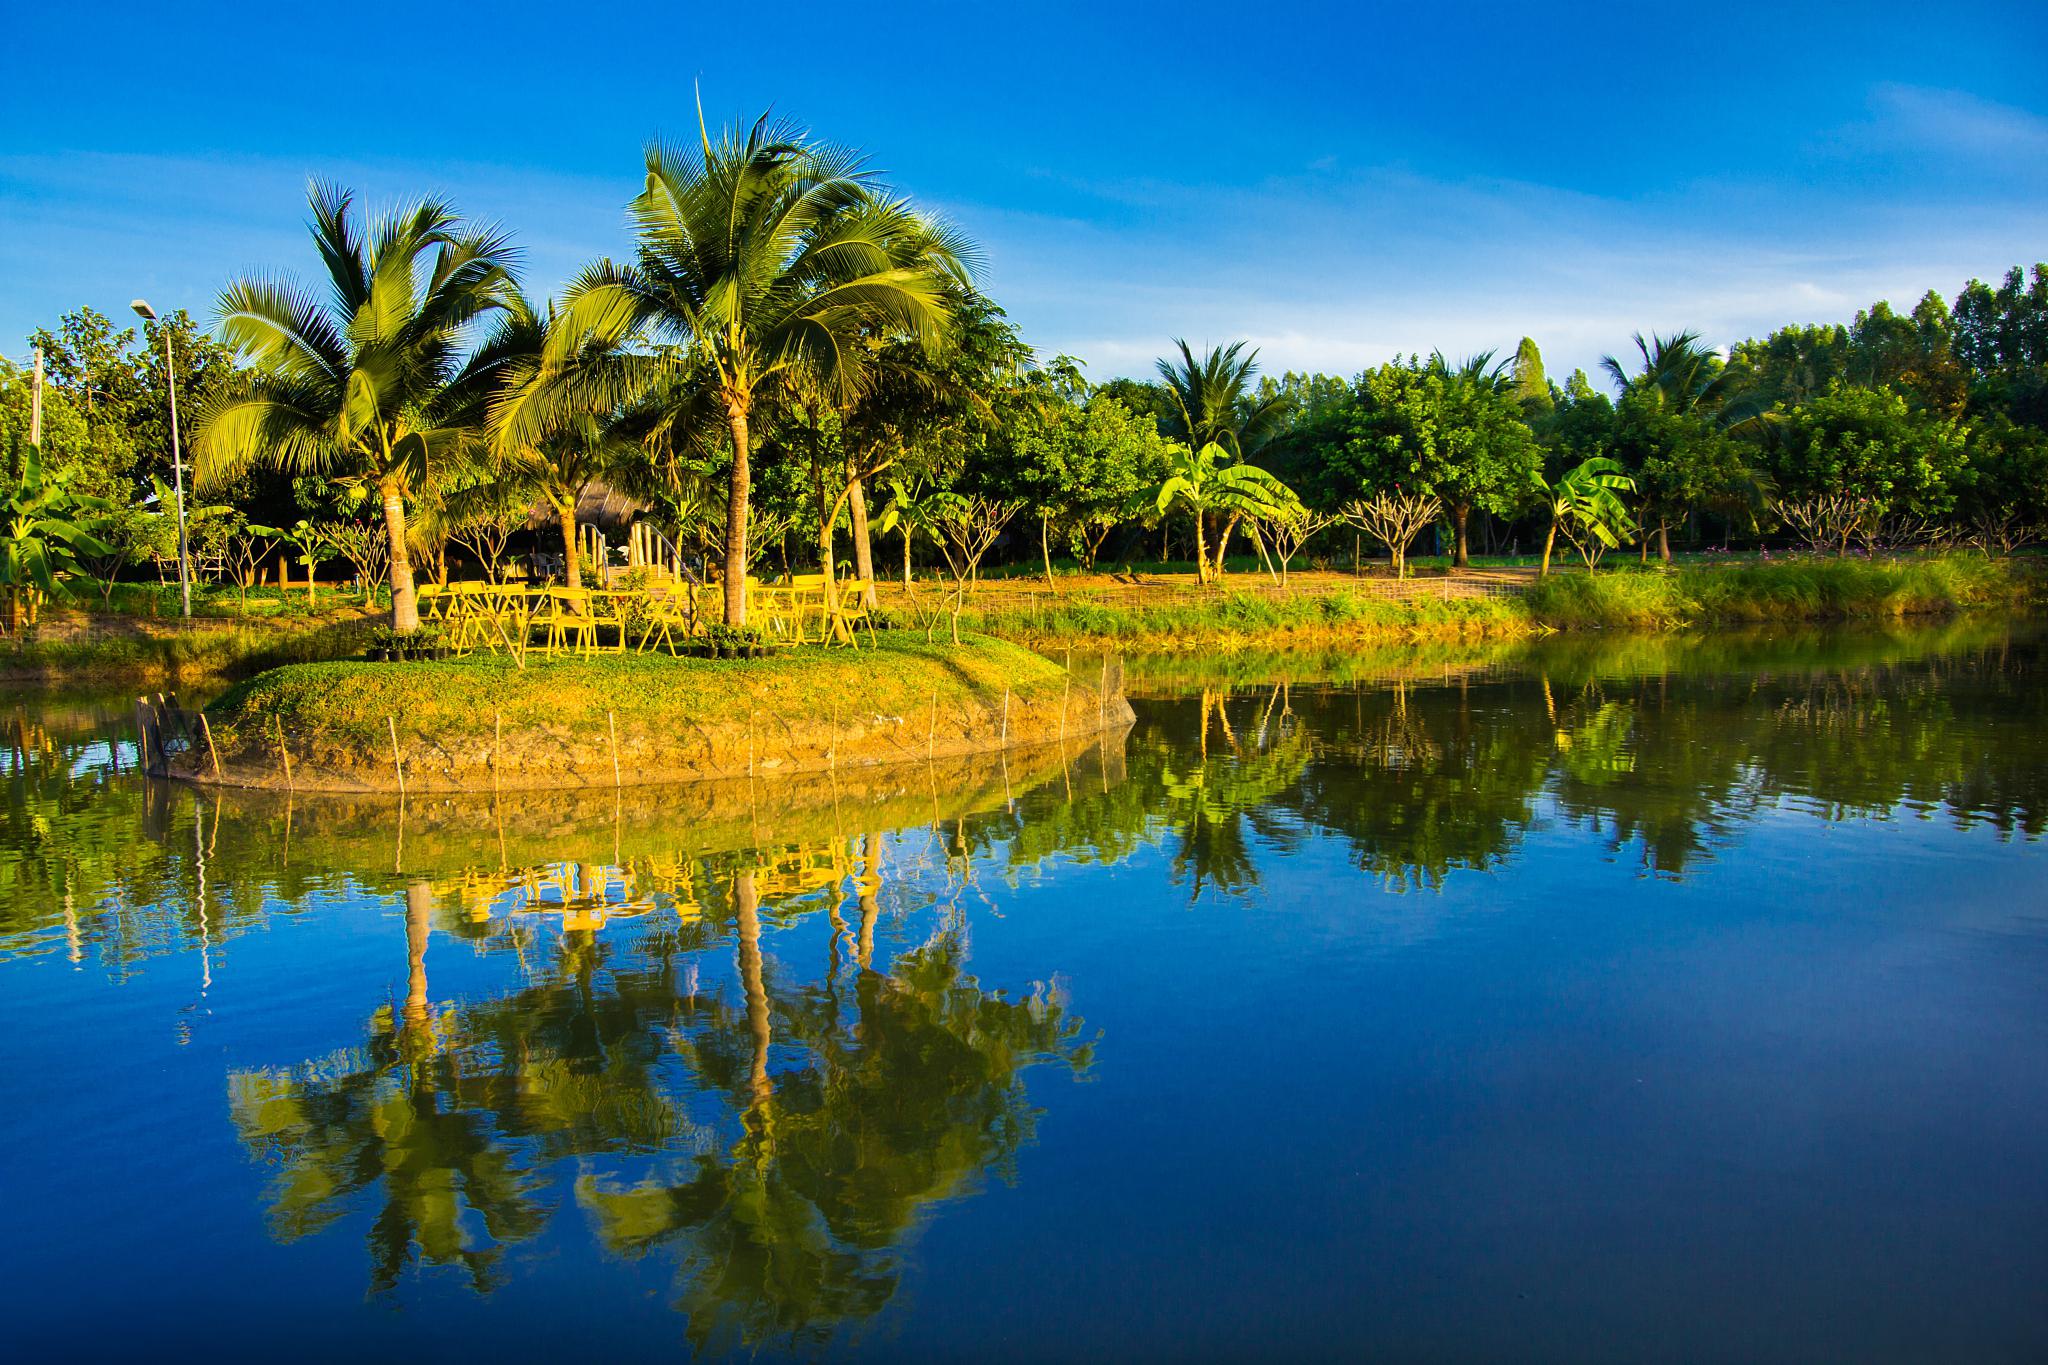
[(777, 1142), (734, 1030)]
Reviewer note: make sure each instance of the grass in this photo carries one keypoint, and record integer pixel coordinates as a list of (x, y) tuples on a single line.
[(1235, 618), (1799, 589), (1710, 591), (646, 693)]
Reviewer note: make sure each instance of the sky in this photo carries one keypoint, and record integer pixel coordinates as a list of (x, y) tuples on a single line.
[(1337, 184)]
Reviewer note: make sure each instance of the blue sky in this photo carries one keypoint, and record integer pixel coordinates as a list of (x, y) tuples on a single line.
[(1336, 183)]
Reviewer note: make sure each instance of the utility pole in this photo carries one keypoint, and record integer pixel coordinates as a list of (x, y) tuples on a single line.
[(177, 463), (35, 405)]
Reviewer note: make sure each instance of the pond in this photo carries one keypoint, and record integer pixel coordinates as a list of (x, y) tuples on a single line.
[(1632, 1000)]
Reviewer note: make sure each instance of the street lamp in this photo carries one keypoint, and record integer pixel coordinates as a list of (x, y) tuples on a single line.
[(177, 463)]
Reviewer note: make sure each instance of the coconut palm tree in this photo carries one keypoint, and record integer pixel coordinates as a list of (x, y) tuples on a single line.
[(1683, 375), (357, 386), (1211, 399), (765, 262), (561, 450)]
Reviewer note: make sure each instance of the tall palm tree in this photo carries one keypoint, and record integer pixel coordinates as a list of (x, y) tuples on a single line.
[(357, 386), (1682, 374), (1211, 399), (764, 260)]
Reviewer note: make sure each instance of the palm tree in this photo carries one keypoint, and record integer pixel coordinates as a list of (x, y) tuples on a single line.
[(357, 387), (560, 451), (1211, 400), (1682, 374), (765, 263), (1208, 482)]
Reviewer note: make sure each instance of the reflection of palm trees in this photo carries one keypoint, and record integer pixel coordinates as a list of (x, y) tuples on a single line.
[(793, 1231), (1216, 803), (399, 1119), (804, 1131)]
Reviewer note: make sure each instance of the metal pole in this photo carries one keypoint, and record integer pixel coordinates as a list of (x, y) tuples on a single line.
[(178, 478)]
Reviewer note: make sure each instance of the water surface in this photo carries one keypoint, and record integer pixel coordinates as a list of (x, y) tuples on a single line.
[(1628, 1001)]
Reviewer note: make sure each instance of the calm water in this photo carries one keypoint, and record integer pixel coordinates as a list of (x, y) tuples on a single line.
[(1629, 1002)]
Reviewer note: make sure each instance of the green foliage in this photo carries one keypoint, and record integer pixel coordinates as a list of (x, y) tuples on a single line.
[(1455, 433), (45, 531), (1794, 590), (1872, 445), (1585, 504), (1208, 482)]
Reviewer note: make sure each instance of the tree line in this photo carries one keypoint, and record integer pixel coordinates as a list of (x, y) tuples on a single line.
[(793, 351)]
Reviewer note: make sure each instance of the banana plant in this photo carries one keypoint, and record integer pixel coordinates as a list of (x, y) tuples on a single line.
[(44, 529), (1210, 482), (1585, 504)]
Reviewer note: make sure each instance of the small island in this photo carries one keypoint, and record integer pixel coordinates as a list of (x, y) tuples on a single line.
[(489, 722)]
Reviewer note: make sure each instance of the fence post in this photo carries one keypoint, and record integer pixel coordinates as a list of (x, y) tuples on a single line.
[(283, 752), (397, 763)]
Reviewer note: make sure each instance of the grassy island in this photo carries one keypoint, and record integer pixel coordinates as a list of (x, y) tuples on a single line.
[(483, 722)]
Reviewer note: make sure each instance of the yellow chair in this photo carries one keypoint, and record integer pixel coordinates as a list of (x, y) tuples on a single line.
[(569, 621)]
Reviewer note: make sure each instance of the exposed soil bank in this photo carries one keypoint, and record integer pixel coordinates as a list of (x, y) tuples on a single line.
[(455, 834), (482, 724)]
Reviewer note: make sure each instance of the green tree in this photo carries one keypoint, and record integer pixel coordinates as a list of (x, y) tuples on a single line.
[(1531, 388), (1874, 446), (359, 387), (1453, 433), (45, 528), (1585, 503)]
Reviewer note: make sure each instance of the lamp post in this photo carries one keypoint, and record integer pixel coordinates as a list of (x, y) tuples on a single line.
[(177, 464)]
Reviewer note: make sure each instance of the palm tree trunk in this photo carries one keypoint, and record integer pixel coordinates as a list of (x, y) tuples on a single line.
[(419, 925), (405, 611), (863, 551), (1045, 545), (1459, 513), (736, 517), (1549, 541), (572, 568), (870, 906), (752, 981)]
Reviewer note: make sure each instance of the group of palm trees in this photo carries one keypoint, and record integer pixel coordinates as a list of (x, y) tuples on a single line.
[(768, 268)]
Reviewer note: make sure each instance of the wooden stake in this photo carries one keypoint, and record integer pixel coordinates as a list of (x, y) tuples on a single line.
[(397, 763), (1006, 715), (832, 742), (612, 723), (1066, 687), (283, 752), (931, 734), (212, 754), (1102, 693), (497, 746)]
